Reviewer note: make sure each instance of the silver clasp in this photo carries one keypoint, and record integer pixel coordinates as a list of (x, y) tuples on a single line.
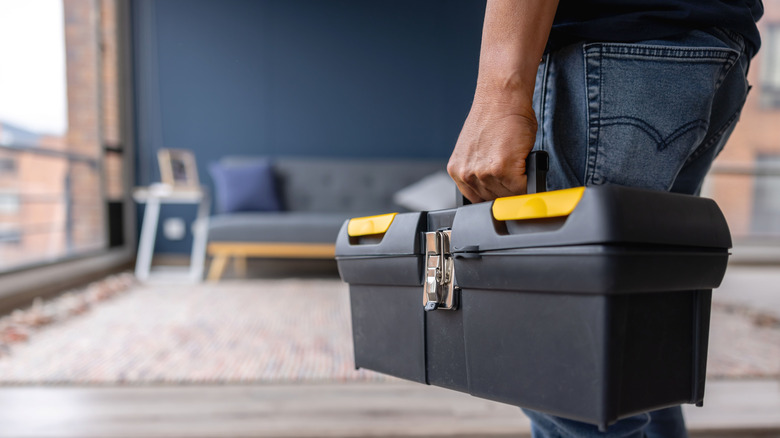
[(439, 285)]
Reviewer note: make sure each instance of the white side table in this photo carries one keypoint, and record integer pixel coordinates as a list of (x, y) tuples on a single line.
[(153, 196)]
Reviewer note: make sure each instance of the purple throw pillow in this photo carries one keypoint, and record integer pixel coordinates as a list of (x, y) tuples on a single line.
[(245, 187)]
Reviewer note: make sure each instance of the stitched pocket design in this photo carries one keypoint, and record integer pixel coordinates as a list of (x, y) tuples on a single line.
[(648, 109)]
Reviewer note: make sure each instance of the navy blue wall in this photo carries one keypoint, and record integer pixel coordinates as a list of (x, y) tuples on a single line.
[(326, 78)]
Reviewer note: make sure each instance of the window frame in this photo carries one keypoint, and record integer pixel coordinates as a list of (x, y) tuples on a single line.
[(769, 73), (19, 285)]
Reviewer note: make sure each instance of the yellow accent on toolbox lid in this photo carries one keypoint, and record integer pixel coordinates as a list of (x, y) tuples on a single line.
[(365, 226), (537, 205)]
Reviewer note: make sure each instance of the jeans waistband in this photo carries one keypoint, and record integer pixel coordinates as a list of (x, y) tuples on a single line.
[(733, 39)]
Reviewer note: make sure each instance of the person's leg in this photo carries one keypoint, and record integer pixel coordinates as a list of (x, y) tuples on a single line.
[(549, 426), (651, 115), (665, 423)]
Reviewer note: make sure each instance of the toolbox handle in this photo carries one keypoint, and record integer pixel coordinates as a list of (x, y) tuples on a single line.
[(370, 225), (537, 205), (536, 166)]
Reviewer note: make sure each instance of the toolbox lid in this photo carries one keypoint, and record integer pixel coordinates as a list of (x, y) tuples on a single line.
[(392, 234), (606, 214)]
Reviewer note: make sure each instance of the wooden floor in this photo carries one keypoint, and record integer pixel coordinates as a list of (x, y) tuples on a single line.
[(732, 409)]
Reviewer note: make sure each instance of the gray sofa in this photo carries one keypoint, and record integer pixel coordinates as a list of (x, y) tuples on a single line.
[(317, 196)]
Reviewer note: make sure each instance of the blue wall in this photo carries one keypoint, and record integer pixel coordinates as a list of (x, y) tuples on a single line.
[(325, 78)]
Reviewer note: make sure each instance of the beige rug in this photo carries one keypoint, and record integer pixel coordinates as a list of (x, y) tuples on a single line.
[(233, 331), (268, 331)]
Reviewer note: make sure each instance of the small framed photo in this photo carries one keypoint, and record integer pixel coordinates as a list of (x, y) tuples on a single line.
[(178, 168)]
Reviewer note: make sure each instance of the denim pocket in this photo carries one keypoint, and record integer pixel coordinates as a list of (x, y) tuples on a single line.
[(649, 107)]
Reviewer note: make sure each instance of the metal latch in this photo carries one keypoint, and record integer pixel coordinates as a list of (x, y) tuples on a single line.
[(439, 286)]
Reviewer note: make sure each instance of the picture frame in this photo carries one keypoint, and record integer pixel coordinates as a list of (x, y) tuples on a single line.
[(178, 168)]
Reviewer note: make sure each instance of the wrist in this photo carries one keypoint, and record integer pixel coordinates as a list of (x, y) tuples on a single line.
[(506, 84), (510, 91)]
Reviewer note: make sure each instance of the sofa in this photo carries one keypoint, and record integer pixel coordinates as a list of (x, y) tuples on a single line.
[(313, 199)]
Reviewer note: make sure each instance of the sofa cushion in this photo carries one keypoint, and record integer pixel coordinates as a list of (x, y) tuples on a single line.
[(291, 227), (345, 185), (248, 186), (348, 185)]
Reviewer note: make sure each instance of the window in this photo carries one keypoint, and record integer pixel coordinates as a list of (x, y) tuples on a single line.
[(7, 166), (59, 111), (766, 198), (9, 203), (745, 178), (9, 237), (770, 66)]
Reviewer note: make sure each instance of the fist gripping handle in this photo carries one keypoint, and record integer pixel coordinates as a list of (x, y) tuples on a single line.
[(536, 166)]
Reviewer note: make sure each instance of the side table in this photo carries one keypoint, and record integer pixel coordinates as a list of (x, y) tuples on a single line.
[(153, 196)]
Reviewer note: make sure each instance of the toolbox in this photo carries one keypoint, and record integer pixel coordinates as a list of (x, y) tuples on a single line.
[(591, 303)]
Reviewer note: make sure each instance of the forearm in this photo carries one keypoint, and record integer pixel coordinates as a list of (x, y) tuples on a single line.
[(489, 158), (514, 35)]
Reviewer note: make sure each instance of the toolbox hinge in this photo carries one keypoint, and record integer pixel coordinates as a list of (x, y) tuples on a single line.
[(439, 285)]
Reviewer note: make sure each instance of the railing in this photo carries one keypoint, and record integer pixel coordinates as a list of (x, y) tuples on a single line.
[(760, 169), (54, 206), (749, 196)]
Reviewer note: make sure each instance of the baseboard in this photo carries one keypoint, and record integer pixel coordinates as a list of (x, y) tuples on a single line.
[(19, 289)]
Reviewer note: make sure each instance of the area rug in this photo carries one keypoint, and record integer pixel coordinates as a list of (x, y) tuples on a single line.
[(227, 332), (268, 331)]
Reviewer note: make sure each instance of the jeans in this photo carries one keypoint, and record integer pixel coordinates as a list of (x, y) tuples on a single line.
[(662, 423), (652, 114)]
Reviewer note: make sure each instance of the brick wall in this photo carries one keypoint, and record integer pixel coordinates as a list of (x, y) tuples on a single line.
[(83, 69)]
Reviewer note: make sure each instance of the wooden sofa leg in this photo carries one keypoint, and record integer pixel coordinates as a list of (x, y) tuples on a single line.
[(217, 266)]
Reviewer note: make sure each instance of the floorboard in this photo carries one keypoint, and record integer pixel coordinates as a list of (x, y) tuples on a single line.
[(733, 409)]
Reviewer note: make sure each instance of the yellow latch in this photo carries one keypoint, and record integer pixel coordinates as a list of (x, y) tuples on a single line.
[(366, 226), (537, 205)]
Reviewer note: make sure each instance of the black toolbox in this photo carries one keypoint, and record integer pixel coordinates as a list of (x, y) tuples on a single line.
[(588, 303)]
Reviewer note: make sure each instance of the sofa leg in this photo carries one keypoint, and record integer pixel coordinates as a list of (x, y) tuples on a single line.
[(217, 267), (239, 265)]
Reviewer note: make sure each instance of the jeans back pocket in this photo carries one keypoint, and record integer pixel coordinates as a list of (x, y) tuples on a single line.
[(649, 107)]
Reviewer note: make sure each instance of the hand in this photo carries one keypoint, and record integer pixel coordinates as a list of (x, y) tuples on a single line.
[(500, 130), (489, 158)]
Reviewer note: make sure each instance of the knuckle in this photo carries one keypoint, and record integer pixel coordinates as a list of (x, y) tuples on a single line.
[(481, 174), (465, 175), (452, 169)]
